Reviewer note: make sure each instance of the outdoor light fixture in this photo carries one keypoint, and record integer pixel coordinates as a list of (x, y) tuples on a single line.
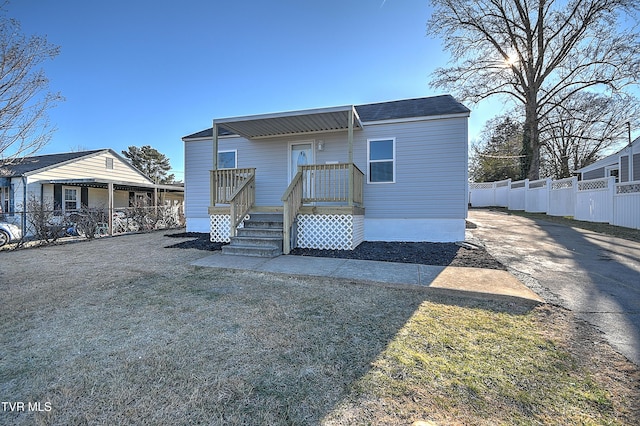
[(320, 145)]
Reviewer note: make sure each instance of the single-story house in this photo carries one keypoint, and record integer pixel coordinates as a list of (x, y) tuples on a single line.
[(624, 165), (68, 181), (334, 177)]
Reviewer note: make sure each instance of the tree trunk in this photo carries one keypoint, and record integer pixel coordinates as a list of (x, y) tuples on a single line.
[(530, 162)]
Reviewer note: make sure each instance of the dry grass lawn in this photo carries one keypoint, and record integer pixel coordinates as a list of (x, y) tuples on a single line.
[(124, 331)]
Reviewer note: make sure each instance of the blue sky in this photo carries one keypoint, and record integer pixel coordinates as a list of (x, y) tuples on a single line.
[(141, 72)]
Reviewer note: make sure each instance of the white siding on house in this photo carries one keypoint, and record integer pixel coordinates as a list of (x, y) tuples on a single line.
[(92, 167)]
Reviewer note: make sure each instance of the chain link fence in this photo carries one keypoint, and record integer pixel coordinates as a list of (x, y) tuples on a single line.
[(40, 224)]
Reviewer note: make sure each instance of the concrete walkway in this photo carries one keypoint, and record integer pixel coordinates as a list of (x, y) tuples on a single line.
[(485, 283)]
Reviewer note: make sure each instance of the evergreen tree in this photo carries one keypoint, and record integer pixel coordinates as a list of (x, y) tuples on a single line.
[(497, 155), (151, 162)]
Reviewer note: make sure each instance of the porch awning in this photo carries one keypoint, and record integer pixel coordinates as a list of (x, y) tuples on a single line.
[(291, 122), (118, 185)]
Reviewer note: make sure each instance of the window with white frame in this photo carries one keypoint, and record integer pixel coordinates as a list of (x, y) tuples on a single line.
[(5, 200), (381, 160), (71, 199), (228, 159)]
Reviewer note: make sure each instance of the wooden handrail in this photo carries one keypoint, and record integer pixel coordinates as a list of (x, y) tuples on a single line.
[(328, 183), (292, 200), (241, 201), (235, 187), (225, 182)]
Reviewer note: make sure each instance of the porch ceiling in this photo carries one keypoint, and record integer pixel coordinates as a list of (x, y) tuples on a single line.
[(292, 122)]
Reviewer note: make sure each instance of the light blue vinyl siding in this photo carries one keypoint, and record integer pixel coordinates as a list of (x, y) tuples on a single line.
[(198, 158), (430, 168), (269, 158)]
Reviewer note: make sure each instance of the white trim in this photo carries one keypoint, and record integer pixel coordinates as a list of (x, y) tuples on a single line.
[(369, 161), (414, 230), (235, 151), (208, 138), (609, 169), (283, 114), (413, 119), (312, 160), (78, 192)]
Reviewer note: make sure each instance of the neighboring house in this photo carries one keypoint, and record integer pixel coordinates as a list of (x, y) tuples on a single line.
[(624, 165), (390, 171), (69, 181)]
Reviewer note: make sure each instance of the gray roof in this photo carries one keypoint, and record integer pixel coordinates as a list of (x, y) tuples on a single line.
[(21, 166), (406, 108), (409, 108)]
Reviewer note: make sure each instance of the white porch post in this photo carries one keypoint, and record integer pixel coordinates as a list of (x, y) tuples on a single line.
[(110, 207)]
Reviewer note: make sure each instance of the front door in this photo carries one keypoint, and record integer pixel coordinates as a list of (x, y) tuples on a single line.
[(301, 154)]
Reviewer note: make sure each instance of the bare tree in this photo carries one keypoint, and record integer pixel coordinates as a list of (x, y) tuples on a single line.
[(583, 128), (538, 53), (24, 99)]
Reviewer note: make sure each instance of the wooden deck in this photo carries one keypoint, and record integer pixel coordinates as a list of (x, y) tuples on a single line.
[(315, 189)]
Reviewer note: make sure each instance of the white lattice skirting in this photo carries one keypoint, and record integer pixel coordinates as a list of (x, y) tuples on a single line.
[(219, 231), (330, 231)]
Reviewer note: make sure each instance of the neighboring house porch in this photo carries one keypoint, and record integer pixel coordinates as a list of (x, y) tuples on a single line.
[(67, 183)]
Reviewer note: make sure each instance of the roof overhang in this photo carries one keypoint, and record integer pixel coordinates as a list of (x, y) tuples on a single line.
[(319, 120), (117, 185)]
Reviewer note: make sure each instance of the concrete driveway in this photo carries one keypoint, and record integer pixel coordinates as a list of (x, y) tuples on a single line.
[(594, 275)]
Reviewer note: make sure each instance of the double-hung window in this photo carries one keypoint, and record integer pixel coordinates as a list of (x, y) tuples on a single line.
[(228, 159), (381, 160), (71, 199)]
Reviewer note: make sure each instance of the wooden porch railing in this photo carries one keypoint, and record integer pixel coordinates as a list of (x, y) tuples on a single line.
[(320, 183), (237, 188), (332, 183), (225, 182)]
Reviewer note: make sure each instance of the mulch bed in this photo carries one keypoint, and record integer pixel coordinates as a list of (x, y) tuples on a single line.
[(439, 254)]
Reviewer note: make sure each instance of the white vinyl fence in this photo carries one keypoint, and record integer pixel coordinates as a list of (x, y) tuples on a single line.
[(596, 200)]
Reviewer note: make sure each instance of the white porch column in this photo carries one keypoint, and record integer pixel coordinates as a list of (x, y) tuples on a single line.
[(110, 207)]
